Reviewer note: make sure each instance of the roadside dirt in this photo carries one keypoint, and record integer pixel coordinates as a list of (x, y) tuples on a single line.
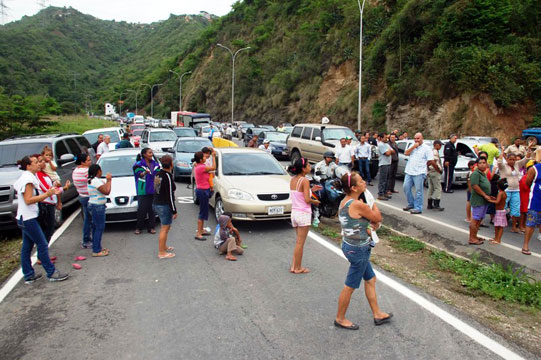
[(516, 323)]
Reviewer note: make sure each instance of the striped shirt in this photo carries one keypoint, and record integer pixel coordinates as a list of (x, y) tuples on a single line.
[(96, 197), (80, 180)]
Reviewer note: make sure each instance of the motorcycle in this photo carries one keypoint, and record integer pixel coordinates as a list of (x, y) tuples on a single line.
[(329, 196)]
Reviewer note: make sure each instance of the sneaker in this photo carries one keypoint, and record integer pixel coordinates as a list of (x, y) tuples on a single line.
[(58, 276), (35, 277), (86, 245), (415, 212)]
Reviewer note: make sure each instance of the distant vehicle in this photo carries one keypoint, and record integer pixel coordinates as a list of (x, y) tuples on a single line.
[(65, 147), (242, 129), (189, 119), (250, 132), (532, 134), (159, 140), (136, 137), (205, 131), (251, 184), (185, 132), (164, 123), (155, 123), (122, 201), (138, 119), (134, 127), (114, 132), (278, 143), (183, 152), (148, 121), (268, 127)]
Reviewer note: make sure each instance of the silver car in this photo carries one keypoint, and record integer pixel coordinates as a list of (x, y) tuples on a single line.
[(122, 201), (461, 169)]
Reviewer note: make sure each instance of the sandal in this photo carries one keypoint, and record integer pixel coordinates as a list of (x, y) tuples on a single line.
[(79, 258), (526, 252), (152, 231), (166, 256), (301, 271), (476, 242), (353, 326), (200, 238), (384, 320), (100, 254), (170, 248), (494, 242), (230, 258), (137, 232)]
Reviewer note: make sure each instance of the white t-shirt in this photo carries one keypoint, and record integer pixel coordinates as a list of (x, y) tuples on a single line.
[(102, 148), (343, 154), (262, 147), (24, 211)]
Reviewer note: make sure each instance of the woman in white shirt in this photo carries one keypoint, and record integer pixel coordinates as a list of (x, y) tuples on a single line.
[(27, 219), (97, 191)]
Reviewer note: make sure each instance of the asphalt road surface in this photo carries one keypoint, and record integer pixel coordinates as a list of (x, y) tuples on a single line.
[(131, 305)]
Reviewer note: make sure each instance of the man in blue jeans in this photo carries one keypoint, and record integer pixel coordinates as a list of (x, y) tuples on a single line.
[(420, 156), (363, 152)]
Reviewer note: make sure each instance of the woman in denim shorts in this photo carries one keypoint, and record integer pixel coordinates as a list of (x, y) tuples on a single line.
[(355, 217), (164, 204)]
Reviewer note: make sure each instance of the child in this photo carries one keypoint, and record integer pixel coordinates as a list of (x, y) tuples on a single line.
[(500, 218), (227, 238), (471, 166), (50, 165), (208, 162)]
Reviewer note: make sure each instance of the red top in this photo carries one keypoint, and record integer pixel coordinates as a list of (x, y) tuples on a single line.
[(524, 195), (201, 177)]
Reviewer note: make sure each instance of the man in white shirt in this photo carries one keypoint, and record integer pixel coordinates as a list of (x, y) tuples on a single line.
[(420, 156), (363, 153), (344, 154), (104, 146), (266, 146)]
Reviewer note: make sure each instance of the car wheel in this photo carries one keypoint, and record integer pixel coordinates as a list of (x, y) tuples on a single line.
[(194, 197), (533, 139), (58, 218), (295, 156), (218, 207)]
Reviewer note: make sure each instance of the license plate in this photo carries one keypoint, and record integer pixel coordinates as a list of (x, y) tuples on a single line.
[(275, 210), (284, 152)]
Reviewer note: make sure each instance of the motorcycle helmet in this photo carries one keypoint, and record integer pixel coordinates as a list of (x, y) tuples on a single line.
[(329, 154)]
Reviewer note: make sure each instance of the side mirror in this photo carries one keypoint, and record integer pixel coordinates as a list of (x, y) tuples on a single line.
[(171, 150), (66, 158), (318, 138)]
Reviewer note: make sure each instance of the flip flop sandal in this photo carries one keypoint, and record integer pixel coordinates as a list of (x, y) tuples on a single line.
[(301, 271), (76, 266), (206, 233), (378, 322), (166, 256), (231, 258), (79, 258), (200, 238), (152, 231), (526, 252), (170, 248), (476, 243), (353, 326), (137, 232)]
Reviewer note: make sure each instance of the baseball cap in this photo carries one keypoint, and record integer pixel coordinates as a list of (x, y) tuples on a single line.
[(266, 141)]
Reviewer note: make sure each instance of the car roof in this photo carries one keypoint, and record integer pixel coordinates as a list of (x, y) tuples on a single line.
[(37, 138), (234, 150), (159, 130), (101, 129), (186, 138), (322, 125), (121, 152), (184, 127)]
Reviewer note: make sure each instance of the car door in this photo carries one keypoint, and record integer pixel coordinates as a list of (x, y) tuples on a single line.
[(144, 139), (74, 149), (308, 148), (63, 170), (402, 158), (319, 148)]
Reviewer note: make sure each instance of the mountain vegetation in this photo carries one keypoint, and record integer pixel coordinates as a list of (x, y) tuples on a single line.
[(414, 52)]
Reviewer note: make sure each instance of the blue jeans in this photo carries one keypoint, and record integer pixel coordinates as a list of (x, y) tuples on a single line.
[(414, 181), (203, 195), (364, 169), (98, 225), (359, 264), (32, 234), (87, 222)]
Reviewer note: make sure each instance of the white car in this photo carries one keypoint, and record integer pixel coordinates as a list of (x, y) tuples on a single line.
[(205, 132), (122, 201), (138, 119), (114, 132), (159, 140), (251, 184)]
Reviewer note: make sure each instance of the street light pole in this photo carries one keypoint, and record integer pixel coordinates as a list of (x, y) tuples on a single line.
[(361, 10), (233, 56), (180, 87), (120, 103)]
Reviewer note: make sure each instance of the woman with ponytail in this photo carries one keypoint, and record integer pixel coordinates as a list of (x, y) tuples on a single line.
[(355, 217), (97, 191), (301, 210)]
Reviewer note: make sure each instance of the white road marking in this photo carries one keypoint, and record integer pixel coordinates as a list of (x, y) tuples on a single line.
[(185, 200), (454, 228), (450, 319), (15, 278)]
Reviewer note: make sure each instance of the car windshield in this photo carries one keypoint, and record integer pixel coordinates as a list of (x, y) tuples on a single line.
[(93, 137), (163, 136), (250, 164), (337, 133), (137, 132), (185, 132), (277, 136), (192, 146), (248, 125), (11, 153), (288, 129), (118, 166)]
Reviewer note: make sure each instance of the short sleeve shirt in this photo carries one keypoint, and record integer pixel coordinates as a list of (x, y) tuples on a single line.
[(96, 197), (491, 150), (102, 148), (343, 154), (382, 149), (479, 178), (25, 211), (418, 159)]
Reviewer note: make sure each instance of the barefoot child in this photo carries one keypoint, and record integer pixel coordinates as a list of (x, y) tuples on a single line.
[(500, 218), (227, 239)]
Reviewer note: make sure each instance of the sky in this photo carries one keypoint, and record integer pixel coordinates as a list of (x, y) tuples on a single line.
[(143, 11)]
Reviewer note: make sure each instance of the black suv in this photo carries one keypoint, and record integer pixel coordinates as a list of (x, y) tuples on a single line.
[(65, 147)]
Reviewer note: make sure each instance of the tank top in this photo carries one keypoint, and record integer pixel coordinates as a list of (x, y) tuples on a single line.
[(535, 191), (297, 200), (353, 230)]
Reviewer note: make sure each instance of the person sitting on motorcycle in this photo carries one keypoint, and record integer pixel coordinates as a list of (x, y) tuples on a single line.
[(324, 170)]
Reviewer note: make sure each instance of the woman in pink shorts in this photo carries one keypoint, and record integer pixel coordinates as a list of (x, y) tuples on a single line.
[(301, 210)]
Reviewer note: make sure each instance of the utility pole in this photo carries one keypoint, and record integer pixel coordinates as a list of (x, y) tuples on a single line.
[(180, 87), (361, 10), (233, 56), (135, 91)]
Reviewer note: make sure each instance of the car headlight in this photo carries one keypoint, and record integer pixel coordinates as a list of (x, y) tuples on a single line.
[(239, 194), (183, 164)]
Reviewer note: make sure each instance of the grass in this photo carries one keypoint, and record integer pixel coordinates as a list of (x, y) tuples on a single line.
[(405, 243), (9, 256), (76, 124)]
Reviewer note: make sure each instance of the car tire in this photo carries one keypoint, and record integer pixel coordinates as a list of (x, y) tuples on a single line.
[(58, 218), (194, 197), (218, 207), (295, 155)]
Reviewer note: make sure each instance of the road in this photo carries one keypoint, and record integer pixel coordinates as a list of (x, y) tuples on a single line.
[(130, 305)]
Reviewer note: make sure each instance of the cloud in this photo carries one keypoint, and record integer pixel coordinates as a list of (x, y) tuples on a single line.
[(143, 11)]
